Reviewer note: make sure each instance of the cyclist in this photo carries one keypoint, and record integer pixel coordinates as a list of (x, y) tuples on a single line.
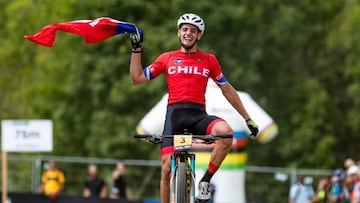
[(188, 70)]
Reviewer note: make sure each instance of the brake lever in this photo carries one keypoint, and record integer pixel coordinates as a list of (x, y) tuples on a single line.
[(156, 139), (209, 139)]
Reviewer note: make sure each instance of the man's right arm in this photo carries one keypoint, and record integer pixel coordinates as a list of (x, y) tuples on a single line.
[(136, 73), (292, 194)]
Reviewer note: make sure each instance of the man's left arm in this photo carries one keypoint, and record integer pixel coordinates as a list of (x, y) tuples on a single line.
[(233, 97)]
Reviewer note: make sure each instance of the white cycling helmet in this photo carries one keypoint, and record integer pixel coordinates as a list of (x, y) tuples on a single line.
[(192, 19)]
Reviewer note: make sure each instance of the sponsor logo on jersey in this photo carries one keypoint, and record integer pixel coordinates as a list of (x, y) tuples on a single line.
[(178, 61), (188, 70)]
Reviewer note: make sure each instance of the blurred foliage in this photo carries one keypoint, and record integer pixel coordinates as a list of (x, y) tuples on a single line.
[(298, 59)]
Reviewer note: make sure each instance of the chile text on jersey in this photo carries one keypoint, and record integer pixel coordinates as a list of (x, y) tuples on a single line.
[(187, 74)]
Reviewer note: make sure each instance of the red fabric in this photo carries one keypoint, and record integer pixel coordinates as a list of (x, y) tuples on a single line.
[(167, 150), (187, 74), (212, 168), (92, 31), (211, 125)]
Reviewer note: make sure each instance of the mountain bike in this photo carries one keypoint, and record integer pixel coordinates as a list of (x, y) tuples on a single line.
[(182, 178)]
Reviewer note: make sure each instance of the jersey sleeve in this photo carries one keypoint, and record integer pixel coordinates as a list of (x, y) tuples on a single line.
[(61, 177), (311, 191), (157, 67), (216, 73), (292, 192)]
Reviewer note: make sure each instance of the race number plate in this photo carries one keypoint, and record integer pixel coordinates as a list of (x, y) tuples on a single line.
[(182, 141)]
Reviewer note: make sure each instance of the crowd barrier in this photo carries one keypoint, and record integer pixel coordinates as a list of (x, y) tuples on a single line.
[(14, 197)]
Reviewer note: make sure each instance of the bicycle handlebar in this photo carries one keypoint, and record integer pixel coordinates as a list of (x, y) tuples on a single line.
[(207, 139)]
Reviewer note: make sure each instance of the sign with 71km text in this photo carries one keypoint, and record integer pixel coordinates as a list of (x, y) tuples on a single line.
[(27, 135)]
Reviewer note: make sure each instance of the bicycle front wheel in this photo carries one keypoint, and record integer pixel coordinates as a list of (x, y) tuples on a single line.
[(180, 184)]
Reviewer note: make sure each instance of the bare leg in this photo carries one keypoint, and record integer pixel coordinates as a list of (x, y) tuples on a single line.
[(221, 149), (165, 179), (223, 146)]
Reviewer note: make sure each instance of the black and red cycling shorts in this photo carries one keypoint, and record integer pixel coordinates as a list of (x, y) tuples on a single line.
[(186, 116)]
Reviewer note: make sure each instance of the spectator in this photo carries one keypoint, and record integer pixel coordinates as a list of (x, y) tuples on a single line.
[(120, 186), (348, 185), (322, 191), (301, 192), (348, 163), (52, 181), (94, 184), (336, 193), (356, 191), (353, 173)]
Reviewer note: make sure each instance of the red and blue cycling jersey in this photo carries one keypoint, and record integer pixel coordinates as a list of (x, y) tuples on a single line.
[(187, 74)]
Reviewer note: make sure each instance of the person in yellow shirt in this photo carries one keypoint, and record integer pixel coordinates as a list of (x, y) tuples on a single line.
[(52, 181)]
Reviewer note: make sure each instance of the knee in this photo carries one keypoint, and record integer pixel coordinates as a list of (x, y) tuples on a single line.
[(227, 143), (165, 172), (222, 128)]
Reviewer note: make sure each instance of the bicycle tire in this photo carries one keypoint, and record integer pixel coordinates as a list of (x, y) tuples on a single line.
[(180, 184)]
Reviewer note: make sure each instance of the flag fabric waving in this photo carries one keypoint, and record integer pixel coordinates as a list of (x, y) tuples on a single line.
[(93, 31)]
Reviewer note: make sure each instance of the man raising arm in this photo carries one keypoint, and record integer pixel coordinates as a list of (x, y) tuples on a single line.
[(188, 70)]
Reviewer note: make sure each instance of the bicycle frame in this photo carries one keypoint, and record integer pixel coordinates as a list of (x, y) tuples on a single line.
[(182, 180)]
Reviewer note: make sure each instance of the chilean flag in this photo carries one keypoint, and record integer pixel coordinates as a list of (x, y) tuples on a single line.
[(93, 31)]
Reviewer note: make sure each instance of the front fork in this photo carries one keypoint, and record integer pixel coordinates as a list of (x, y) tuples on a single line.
[(190, 159)]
